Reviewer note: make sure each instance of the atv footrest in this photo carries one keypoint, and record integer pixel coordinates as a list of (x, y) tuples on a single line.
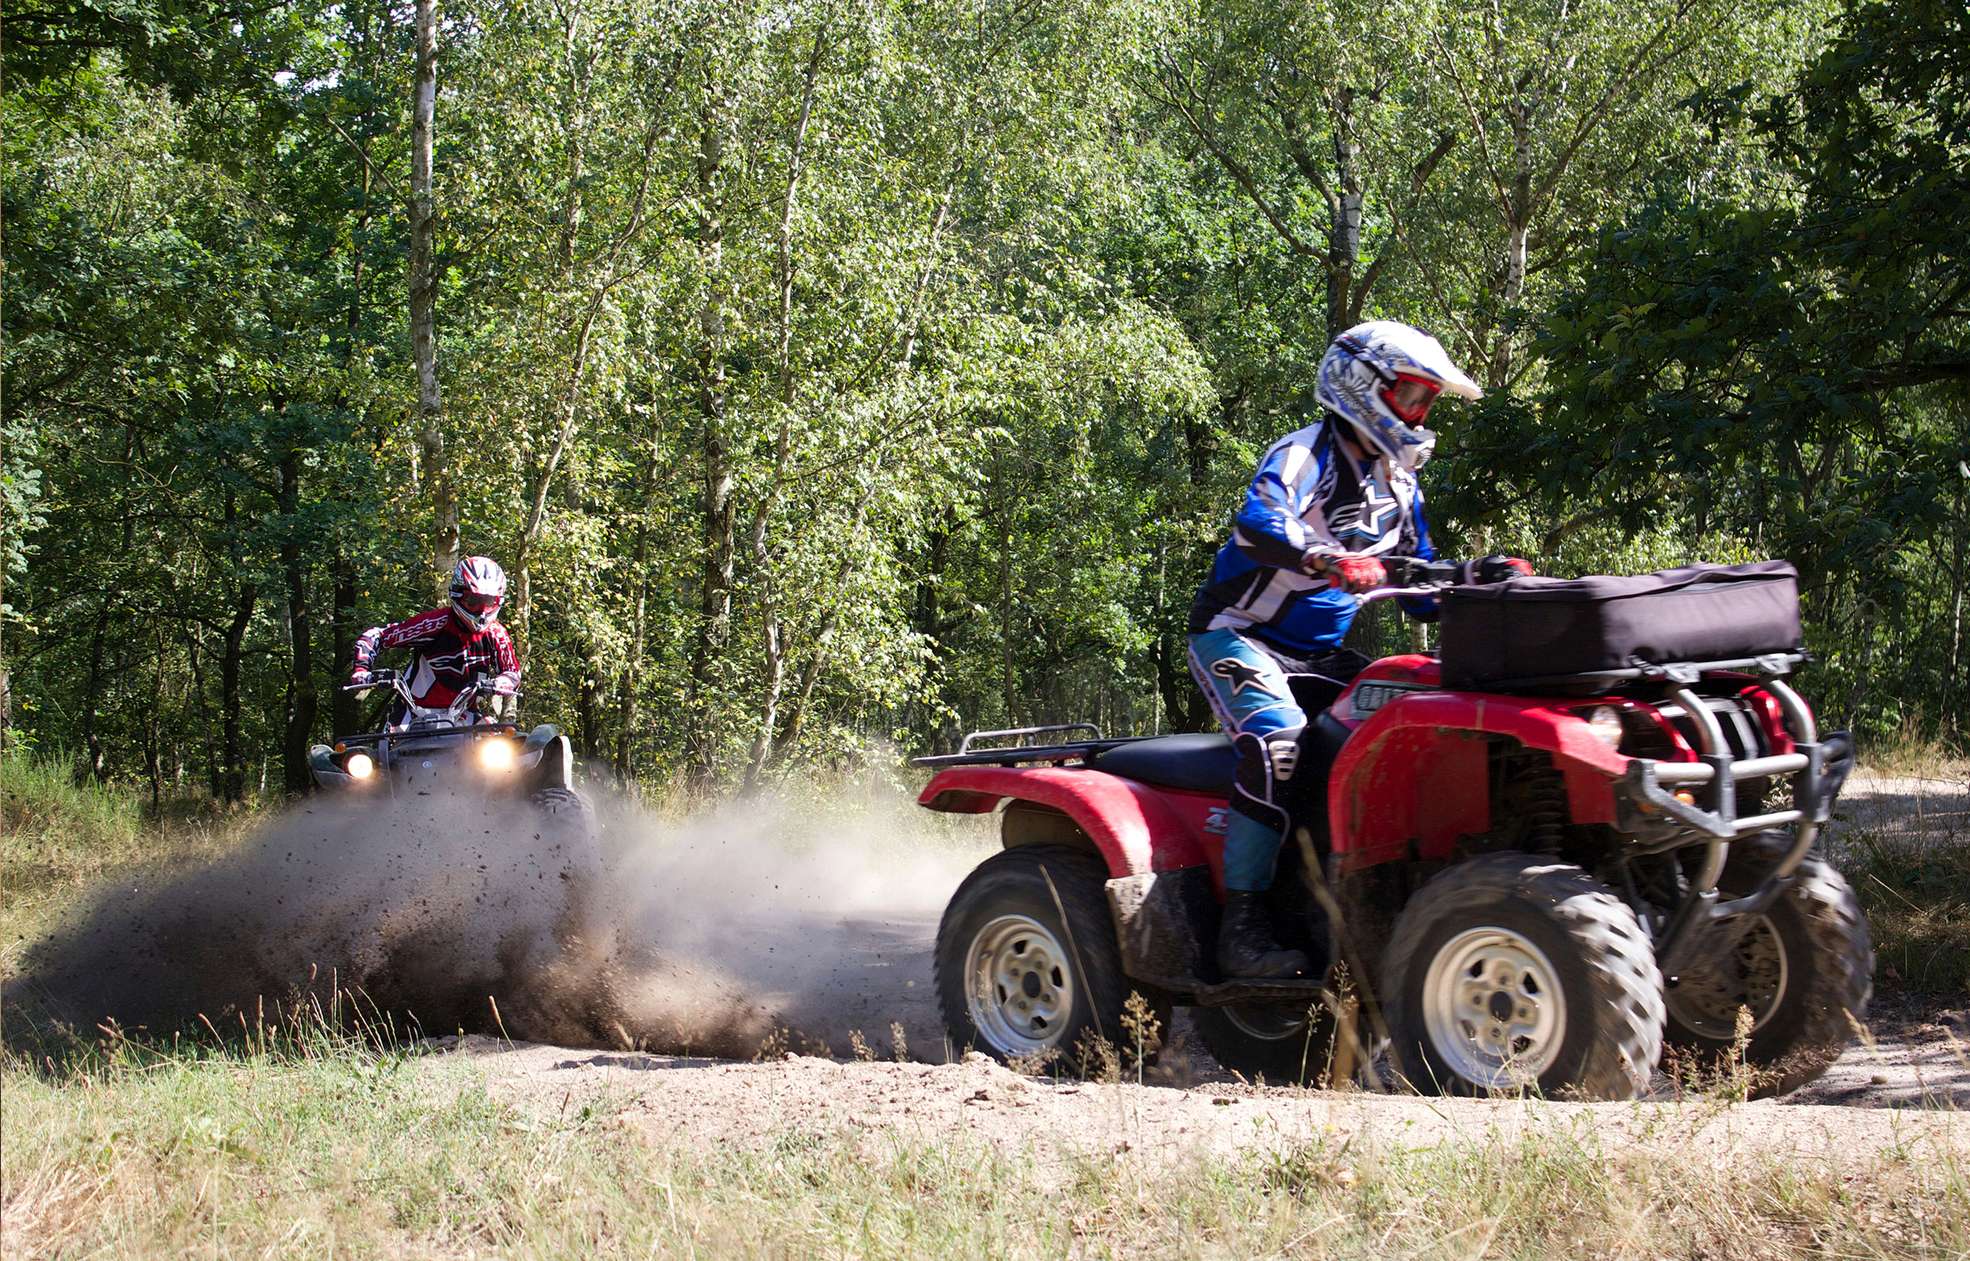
[(1304, 990)]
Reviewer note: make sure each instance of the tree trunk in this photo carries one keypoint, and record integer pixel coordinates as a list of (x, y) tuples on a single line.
[(154, 727), (1344, 241), (772, 633), (1961, 543), (632, 673), (91, 767), (589, 707), (233, 782), (347, 710), (301, 696), (424, 297), (1518, 232), (823, 635), (1006, 652), (215, 784), (715, 586), (6, 680)]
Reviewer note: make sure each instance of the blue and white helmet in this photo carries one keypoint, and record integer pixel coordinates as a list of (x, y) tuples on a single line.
[(478, 588), (1382, 377)]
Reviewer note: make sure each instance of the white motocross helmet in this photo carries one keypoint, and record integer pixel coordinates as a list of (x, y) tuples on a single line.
[(1382, 377), (478, 588)]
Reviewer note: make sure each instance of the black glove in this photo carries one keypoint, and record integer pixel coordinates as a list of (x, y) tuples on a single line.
[(1494, 568)]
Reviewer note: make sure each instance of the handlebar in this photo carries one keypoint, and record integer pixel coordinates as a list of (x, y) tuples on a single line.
[(395, 679), (1411, 575)]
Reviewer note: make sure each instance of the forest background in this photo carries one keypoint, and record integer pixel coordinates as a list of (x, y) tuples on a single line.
[(832, 375)]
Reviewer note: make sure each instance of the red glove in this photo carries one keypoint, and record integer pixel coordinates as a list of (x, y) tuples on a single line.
[(1496, 569), (1354, 574)]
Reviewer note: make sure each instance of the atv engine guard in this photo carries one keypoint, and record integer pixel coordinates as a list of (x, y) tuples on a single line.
[(1649, 803)]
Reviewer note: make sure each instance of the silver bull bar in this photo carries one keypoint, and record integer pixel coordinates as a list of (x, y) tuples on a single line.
[(1646, 797)]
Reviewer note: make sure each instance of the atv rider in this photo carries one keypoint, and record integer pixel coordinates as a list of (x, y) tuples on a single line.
[(453, 647), (1266, 629)]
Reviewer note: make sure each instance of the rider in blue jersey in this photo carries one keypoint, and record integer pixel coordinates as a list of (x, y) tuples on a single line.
[(1266, 629)]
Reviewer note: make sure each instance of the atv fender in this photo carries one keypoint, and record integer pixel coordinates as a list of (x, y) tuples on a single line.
[(1137, 829), (321, 764), (550, 757), (1416, 772)]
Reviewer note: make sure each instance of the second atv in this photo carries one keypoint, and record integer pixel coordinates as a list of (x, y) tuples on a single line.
[(420, 750)]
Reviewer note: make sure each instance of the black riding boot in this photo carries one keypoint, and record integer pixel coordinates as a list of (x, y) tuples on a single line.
[(1245, 945)]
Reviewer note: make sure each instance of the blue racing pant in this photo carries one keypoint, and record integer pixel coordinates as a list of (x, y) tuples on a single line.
[(1261, 697)]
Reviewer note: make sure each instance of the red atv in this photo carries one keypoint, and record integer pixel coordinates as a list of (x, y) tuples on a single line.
[(1528, 879)]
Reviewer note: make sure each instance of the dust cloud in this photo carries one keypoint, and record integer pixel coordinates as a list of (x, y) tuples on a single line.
[(767, 921)]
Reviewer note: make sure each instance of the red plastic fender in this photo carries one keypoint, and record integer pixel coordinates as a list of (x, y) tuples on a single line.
[(1137, 828), (1411, 771)]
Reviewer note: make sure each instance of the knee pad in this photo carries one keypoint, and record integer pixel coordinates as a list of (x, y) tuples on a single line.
[(1266, 764)]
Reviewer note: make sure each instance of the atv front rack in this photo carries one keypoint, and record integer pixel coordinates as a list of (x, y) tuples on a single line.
[(1015, 754)]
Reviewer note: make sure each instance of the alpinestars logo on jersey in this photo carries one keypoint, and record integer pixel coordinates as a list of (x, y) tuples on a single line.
[(1360, 526), (460, 662)]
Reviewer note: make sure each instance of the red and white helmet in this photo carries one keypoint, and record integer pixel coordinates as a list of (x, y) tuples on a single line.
[(478, 588), (1382, 377)]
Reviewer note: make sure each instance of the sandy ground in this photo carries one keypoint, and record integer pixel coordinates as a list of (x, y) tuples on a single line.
[(672, 1099)]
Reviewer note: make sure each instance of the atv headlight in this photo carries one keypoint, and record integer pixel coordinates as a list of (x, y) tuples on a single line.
[(1605, 722), (359, 765), (496, 755)]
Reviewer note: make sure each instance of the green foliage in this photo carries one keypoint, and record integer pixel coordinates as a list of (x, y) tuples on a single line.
[(1791, 365), (834, 377)]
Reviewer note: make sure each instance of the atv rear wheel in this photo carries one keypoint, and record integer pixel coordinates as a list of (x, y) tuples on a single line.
[(1026, 961), (1513, 971), (1803, 969), (1286, 1045)]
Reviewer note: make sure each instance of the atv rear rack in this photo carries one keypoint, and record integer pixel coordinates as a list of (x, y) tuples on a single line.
[(1014, 754)]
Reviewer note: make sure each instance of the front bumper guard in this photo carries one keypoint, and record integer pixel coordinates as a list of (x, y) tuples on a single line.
[(1701, 798)]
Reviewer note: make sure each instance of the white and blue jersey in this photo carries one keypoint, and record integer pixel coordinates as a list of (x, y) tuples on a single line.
[(1312, 492)]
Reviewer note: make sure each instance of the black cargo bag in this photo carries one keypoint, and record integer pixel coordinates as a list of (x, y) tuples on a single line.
[(1540, 628)]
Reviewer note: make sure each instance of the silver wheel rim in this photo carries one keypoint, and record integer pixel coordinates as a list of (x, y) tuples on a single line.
[(1493, 1008), (1019, 988), (1750, 971)]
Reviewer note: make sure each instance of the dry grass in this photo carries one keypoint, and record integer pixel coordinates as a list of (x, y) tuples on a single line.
[(1905, 846), (1917, 898), (312, 1141), (58, 840)]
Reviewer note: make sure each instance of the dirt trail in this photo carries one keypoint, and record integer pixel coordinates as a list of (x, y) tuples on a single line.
[(756, 1105)]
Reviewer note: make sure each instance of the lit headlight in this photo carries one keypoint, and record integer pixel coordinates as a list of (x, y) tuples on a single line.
[(1605, 722), (359, 765), (496, 755)]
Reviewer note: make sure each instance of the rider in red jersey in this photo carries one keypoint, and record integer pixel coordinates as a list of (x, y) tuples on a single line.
[(454, 646)]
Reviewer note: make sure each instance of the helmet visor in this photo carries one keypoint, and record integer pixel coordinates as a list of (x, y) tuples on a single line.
[(476, 604), (1410, 397)]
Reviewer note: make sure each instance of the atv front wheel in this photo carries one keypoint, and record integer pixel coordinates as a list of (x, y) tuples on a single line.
[(1026, 961), (1803, 969), (1512, 971)]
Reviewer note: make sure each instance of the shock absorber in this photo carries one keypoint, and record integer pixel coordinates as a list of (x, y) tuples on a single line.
[(1532, 796), (1543, 799)]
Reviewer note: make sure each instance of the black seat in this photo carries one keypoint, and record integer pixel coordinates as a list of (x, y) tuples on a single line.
[(1200, 763)]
